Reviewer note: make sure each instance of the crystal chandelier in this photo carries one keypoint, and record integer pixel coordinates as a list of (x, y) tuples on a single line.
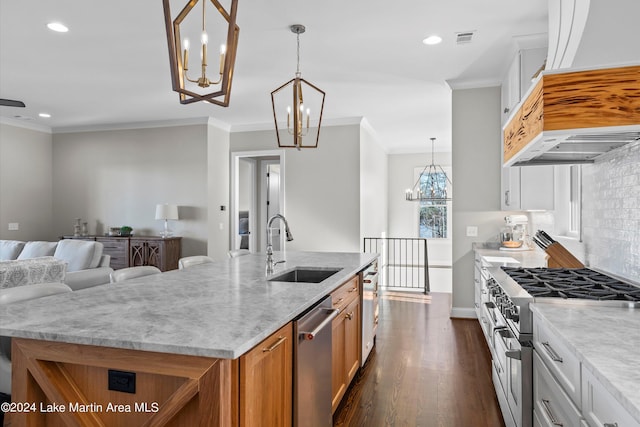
[(431, 185), (301, 129), (188, 23)]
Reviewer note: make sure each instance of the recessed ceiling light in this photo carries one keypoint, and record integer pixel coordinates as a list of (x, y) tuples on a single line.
[(431, 40), (45, 115), (57, 27)]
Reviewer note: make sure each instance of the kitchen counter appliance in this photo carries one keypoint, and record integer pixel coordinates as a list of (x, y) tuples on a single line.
[(509, 328), (312, 366)]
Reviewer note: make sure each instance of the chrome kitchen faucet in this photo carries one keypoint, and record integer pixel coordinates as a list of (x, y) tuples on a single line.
[(270, 262)]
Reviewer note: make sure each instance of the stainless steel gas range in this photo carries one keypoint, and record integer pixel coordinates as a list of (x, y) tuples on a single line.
[(507, 321)]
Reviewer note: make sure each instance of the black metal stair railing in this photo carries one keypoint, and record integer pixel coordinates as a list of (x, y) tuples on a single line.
[(404, 264)]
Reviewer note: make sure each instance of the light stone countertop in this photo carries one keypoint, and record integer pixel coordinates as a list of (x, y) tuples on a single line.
[(607, 342), (216, 310), (492, 254)]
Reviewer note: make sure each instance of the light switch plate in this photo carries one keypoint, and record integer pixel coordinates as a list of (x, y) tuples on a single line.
[(14, 226), (472, 231)]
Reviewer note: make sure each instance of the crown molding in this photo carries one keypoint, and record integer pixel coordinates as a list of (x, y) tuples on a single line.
[(472, 84), (137, 125), (25, 124)]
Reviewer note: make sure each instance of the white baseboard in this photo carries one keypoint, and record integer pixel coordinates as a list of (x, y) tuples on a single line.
[(463, 313)]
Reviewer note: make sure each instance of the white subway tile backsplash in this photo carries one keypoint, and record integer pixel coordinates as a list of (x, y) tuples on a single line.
[(611, 212)]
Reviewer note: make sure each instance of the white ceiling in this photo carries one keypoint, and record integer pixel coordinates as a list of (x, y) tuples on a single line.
[(112, 66)]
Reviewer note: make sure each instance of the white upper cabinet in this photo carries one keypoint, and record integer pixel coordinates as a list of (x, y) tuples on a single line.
[(530, 187)]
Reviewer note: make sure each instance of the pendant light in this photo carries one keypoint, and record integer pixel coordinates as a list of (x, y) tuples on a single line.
[(431, 185), (302, 103), (207, 79)]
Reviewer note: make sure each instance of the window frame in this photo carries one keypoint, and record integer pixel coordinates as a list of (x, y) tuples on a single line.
[(416, 216)]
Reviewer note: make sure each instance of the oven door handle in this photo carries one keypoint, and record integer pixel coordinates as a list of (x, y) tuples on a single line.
[(497, 329), (514, 354)]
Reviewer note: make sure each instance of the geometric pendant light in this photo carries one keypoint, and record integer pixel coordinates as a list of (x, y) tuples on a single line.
[(202, 76), (431, 185), (297, 108)]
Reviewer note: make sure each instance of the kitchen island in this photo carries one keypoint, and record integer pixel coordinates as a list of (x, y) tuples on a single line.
[(182, 334)]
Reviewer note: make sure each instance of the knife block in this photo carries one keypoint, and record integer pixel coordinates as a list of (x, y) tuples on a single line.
[(559, 257)]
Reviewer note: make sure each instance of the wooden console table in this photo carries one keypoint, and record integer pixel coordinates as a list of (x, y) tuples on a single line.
[(161, 252)]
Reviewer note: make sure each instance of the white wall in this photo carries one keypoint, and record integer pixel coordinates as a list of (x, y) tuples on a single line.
[(322, 201), (25, 183), (373, 185), (476, 177), (115, 178), (217, 192)]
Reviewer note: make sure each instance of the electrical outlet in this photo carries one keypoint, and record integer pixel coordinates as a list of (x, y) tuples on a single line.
[(472, 231), (14, 226), (122, 381)]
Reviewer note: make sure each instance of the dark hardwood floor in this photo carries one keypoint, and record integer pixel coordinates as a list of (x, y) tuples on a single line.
[(425, 370)]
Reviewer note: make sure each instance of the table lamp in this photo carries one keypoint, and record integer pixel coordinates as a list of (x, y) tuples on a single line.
[(166, 212)]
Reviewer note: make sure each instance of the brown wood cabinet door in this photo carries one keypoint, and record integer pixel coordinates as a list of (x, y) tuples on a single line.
[(137, 252), (266, 384), (352, 340), (155, 254), (338, 383)]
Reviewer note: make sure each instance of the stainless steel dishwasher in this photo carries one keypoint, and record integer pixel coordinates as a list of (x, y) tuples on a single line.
[(312, 366)]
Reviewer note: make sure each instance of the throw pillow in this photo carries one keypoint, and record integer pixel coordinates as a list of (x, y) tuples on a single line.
[(10, 249), (38, 249), (79, 254)]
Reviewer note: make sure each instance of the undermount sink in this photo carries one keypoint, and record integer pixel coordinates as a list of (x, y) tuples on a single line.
[(305, 275)]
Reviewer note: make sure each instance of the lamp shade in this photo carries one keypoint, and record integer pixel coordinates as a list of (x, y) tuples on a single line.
[(166, 211)]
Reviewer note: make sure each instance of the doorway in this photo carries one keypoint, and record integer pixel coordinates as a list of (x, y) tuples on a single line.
[(257, 193)]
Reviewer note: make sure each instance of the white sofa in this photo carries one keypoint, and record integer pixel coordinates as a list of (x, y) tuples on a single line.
[(86, 265)]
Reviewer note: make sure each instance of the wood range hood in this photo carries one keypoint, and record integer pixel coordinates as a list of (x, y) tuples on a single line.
[(571, 117)]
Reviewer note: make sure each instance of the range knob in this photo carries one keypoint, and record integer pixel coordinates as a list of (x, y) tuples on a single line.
[(512, 313)]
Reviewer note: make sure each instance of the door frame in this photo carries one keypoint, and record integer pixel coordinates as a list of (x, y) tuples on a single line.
[(235, 199), (263, 194)]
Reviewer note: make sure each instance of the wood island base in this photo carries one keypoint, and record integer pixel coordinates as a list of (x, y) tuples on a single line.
[(59, 384)]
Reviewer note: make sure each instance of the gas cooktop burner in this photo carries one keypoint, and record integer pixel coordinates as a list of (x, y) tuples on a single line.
[(572, 283)]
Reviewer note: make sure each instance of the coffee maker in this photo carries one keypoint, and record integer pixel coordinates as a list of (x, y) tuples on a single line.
[(514, 236)]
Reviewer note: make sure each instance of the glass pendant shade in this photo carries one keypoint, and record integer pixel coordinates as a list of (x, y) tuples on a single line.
[(203, 41)]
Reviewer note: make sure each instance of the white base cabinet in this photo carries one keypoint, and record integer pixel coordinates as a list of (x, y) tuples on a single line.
[(551, 404), (565, 392), (600, 408)]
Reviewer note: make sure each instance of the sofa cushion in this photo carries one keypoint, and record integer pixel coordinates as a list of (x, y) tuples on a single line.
[(37, 249), (10, 249), (79, 254)]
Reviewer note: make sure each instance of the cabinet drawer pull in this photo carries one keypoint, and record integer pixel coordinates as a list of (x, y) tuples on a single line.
[(610, 424), (349, 315), (339, 301), (275, 345), (547, 409), (353, 289), (552, 353)]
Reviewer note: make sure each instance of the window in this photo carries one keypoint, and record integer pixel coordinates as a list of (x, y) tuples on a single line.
[(434, 216), (575, 197)]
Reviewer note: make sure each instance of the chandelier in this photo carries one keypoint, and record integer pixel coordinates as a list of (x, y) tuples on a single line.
[(301, 129), (188, 25), (431, 185)]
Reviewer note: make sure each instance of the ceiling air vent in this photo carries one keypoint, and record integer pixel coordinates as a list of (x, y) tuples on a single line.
[(464, 37)]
